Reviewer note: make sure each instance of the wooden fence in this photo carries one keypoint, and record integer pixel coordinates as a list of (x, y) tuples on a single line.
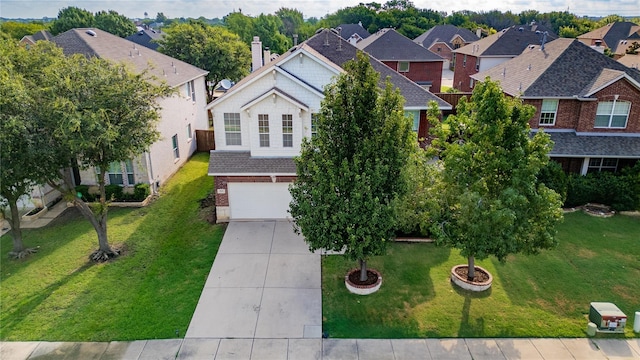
[(205, 140)]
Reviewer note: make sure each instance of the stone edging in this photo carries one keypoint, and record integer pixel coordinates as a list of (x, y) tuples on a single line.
[(468, 285), (363, 289)]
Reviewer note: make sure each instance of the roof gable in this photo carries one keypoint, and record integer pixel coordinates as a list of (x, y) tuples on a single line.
[(445, 33), (508, 42), (98, 43), (348, 30), (389, 45), (565, 68)]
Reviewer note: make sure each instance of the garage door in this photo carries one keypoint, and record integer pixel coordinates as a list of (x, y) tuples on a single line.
[(258, 200)]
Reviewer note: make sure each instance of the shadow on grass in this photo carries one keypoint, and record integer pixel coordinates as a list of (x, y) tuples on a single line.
[(469, 328)]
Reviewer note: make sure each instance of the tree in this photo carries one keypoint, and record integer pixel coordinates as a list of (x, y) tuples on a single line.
[(351, 174), (102, 114), (18, 30), (240, 24), (114, 23), (292, 20), (267, 27), (72, 17), (212, 48), (492, 201)]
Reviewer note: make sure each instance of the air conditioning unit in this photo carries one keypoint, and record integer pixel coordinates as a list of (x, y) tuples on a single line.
[(607, 317)]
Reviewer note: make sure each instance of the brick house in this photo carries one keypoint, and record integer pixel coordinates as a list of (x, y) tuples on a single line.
[(406, 57), (493, 50), (260, 123), (617, 37), (587, 102), (443, 39)]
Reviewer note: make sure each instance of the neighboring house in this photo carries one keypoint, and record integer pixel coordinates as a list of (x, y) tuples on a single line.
[(353, 33), (631, 60), (406, 57), (587, 102), (29, 40), (260, 123), (180, 116), (494, 50), (443, 39), (147, 38), (617, 37)]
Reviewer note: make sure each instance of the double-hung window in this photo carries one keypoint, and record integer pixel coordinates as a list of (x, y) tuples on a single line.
[(120, 173), (189, 132), (263, 129), (403, 66), (232, 132), (174, 145), (548, 111), (602, 164), (287, 130), (314, 125), (191, 90), (612, 114)]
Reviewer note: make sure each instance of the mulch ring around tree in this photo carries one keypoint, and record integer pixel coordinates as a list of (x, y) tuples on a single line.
[(354, 278), (479, 277)]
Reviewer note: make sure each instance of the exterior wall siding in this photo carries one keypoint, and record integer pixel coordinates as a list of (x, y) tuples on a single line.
[(445, 50), (462, 72), (422, 71)]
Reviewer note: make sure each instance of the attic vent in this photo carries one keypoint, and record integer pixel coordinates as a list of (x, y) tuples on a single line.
[(92, 33), (521, 29)]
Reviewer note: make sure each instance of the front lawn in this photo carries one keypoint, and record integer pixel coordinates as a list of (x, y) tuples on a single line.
[(547, 295), (149, 292)]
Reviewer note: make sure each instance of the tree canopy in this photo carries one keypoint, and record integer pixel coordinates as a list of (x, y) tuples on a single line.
[(212, 48), (114, 23), (492, 202), (110, 21), (351, 174)]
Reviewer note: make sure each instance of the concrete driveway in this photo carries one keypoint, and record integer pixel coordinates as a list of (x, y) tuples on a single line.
[(264, 283)]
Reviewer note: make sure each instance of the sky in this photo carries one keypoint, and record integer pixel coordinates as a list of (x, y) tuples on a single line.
[(310, 8)]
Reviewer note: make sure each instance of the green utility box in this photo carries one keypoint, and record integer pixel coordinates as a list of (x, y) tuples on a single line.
[(607, 317)]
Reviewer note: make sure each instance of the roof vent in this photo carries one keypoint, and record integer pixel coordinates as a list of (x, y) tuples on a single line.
[(92, 33), (521, 29)]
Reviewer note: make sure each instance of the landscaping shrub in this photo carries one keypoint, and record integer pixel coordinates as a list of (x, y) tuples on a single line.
[(141, 191), (113, 192), (84, 191), (553, 177), (620, 191)]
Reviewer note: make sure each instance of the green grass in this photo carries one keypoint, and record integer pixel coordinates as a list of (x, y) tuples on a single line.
[(149, 292), (546, 295)]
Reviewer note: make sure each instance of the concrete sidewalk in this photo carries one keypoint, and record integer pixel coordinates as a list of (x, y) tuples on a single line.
[(329, 349)]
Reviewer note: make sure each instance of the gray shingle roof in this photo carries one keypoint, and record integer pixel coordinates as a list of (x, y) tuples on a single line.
[(350, 29), (618, 31), (508, 42), (415, 96), (110, 47), (565, 68), (241, 163), (146, 38), (389, 45), (445, 33), (572, 145)]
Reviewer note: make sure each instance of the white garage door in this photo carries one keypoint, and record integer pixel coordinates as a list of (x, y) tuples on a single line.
[(258, 200)]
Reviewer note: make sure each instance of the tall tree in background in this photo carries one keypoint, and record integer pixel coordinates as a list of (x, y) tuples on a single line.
[(114, 23), (492, 205), (352, 173), (267, 27), (102, 114), (72, 17), (242, 25), (18, 30), (212, 48), (292, 20)]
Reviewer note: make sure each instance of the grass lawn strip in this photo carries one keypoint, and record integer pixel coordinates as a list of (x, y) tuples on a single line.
[(150, 292), (545, 295)]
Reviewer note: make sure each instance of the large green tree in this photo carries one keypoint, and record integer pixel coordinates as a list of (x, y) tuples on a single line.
[(352, 173), (102, 114), (114, 23), (18, 30), (25, 154), (212, 48), (492, 203), (72, 17)]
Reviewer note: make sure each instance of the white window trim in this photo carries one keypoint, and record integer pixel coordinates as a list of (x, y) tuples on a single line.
[(263, 117), (601, 165), (555, 113), (403, 62), (227, 116), (189, 133), (191, 90), (287, 118), (613, 108), (175, 147)]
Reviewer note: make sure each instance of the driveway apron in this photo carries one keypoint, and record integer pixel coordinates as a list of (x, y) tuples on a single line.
[(264, 283)]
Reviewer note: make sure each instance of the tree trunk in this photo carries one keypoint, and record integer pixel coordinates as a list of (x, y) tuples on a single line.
[(16, 230), (363, 270), (471, 270)]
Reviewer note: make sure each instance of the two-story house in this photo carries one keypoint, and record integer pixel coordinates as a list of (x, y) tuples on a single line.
[(180, 116), (494, 50), (260, 123), (617, 37), (443, 39), (406, 57), (587, 102)]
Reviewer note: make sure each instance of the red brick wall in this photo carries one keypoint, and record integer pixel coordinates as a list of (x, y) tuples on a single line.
[(462, 72), (445, 50), (581, 115), (422, 71)]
